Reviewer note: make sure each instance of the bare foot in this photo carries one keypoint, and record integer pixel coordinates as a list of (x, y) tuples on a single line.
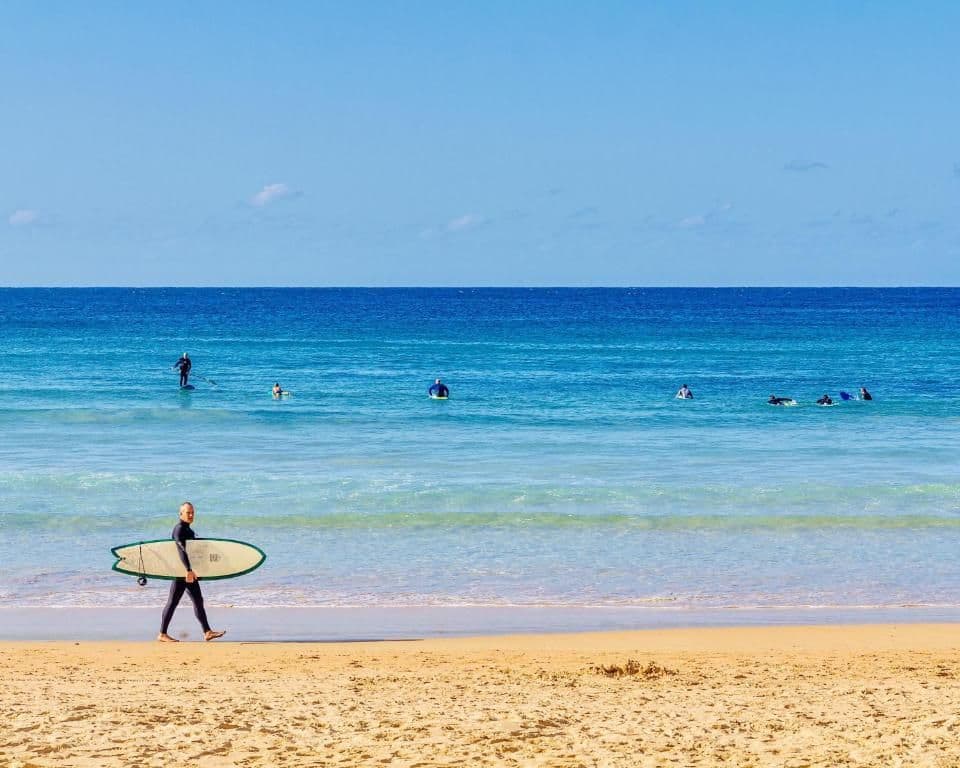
[(163, 637), (213, 634)]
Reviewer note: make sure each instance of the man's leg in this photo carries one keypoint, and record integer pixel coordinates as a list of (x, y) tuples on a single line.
[(196, 596), (176, 592)]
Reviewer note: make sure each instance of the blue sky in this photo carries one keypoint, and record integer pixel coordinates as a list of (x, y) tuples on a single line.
[(494, 143)]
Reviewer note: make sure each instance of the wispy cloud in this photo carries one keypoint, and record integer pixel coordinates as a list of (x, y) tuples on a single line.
[(270, 194), (454, 226), (712, 216), (692, 222), (798, 167), (23, 217), (465, 222), (587, 212)]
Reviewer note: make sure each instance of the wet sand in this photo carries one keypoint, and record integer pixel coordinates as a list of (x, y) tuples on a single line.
[(777, 696)]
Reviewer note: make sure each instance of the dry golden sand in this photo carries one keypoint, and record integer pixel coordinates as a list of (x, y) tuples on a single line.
[(824, 696)]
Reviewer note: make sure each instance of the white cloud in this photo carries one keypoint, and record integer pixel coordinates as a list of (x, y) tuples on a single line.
[(467, 221), (801, 167), (23, 217), (270, 193), (713, 216)]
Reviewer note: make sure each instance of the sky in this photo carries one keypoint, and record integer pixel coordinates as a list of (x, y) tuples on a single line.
[(479, 143)]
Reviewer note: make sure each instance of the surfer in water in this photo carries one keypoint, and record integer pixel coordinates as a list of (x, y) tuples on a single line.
[(439, 389), (277, 389), (184, 365), (774, 400), (182, 533), (825, 400), (684, 393), (864, 395)]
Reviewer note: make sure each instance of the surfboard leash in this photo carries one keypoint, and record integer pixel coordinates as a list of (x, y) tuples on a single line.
[(142, 578)]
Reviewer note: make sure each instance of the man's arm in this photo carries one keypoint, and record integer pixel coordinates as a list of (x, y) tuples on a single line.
[(181, 539)]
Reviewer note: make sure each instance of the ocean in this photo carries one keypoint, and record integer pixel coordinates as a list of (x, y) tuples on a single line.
[(561, 473)]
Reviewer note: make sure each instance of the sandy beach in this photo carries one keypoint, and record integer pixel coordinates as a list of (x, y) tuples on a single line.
[(778, 696)]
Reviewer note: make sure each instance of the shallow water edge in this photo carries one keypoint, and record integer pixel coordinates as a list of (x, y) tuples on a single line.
[(372, 624)]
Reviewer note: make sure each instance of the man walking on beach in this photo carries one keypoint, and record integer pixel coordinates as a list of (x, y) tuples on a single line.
[(182, 533)]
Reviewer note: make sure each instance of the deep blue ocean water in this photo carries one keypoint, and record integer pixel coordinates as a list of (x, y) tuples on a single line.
[(562, 471)]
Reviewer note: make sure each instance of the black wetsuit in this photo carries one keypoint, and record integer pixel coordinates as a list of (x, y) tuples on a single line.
[(182, 533), (439, 390), (184, 365)]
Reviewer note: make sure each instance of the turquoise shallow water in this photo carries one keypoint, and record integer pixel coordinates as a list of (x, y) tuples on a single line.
[(562, 472)]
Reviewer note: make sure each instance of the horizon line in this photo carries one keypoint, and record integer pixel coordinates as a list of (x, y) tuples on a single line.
[(474, 287)]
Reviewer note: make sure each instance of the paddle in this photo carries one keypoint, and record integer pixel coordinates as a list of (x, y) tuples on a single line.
[(202, 378)]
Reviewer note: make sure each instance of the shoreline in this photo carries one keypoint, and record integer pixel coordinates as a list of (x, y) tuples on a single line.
[(333, 624), (749, 640), (857, 695)]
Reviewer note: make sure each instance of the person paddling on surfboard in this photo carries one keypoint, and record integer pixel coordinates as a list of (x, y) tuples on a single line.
[(439, 389), (684, 393), (774, 400), (184, 365), (182, 533)]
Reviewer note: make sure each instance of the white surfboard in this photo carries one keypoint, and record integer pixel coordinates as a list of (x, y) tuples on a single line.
[(210, 558)]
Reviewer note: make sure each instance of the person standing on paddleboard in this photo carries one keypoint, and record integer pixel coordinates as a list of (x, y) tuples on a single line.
[(182, 533), (184, 365)]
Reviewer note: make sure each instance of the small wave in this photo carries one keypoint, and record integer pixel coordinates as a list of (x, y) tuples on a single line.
[(507, 520), (613, 521), (255, 599)]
